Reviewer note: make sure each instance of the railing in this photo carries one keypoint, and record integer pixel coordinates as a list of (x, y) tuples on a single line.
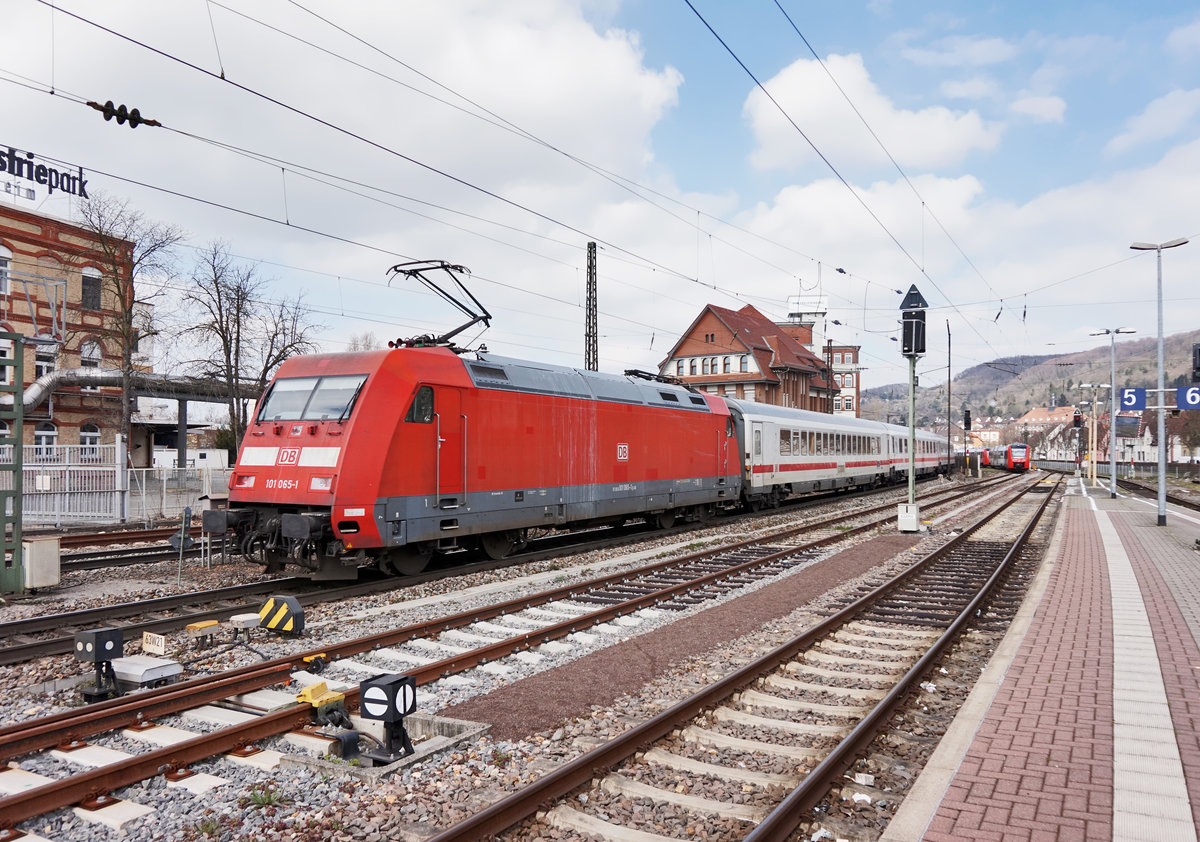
[(64, 484), (163, 493), (1127, 470)]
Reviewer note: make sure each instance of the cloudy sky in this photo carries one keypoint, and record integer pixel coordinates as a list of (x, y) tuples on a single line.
[(1001, 157)]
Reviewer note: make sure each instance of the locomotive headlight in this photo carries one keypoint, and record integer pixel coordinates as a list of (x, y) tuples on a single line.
[(320, 484), (243, 480)]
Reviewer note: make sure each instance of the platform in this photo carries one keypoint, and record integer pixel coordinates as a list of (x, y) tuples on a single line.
[(1086, 726)]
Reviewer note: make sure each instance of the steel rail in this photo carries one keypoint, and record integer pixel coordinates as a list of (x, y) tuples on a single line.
[(503, 814), (33, 649), (152, 703), (781, 823), (141, 707)]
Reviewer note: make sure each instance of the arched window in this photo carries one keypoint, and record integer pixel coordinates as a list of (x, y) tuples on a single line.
[(89, 441), (705, 365), (45, 437), (692, 367), (744, 363), (679, 368), (725, 368)]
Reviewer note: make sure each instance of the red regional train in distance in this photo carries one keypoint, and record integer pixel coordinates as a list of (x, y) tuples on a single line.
[(387, 457), (1009, 457)]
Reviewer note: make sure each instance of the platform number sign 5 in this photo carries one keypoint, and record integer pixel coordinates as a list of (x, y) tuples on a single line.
[(1187, 397), (622, 453), (1133, 399)]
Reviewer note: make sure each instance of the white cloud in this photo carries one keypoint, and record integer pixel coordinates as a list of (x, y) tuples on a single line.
[(928, 139), (1165, 117), (1043, 109), (1184, 42), (977, 87), (962, 51)]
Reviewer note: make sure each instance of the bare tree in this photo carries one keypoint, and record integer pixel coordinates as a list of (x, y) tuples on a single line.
[(366, 341), (133, 250), (244, 336)]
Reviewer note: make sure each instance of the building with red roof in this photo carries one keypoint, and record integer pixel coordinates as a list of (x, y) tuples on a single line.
[(743, 354)]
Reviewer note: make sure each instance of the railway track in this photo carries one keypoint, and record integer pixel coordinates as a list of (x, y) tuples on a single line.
[(53, 634), (1145, 491), (808, 707), (513, 626)]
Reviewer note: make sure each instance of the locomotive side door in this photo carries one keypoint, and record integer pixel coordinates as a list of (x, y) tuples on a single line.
[(451, 427)]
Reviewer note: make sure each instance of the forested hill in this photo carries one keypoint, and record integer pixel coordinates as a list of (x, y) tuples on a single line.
[(1009, 387)]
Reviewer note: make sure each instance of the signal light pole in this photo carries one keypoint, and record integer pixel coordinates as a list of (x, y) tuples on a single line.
[(912, 345)]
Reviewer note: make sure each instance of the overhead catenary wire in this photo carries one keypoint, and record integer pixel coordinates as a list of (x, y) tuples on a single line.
[(837, 174)]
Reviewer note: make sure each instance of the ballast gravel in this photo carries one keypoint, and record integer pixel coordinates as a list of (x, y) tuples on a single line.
[(297, 804)]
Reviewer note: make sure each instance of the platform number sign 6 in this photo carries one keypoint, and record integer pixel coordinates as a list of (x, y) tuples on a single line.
[(1133, 399), (1187, 397)]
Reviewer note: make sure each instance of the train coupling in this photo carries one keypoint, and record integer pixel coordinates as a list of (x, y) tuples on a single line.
[(303, 526), (220, 521)]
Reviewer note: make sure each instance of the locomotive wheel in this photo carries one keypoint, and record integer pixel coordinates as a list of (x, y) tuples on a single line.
[(406, 561), (664, 520), (498, 545)]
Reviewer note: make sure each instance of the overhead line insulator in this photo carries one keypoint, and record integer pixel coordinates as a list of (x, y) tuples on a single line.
[(123, 114)]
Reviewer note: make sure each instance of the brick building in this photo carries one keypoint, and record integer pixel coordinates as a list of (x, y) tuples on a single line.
[(52, 293), (743, 354)]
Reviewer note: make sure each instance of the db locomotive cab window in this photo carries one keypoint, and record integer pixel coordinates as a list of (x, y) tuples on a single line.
[(420, 411), (328, 398)]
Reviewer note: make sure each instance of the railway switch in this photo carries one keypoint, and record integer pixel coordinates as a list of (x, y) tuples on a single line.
[(389, 698), (330, 707), (99, 647)]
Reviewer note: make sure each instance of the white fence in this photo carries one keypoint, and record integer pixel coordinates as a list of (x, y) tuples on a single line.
[(72, 484), (163, 493)]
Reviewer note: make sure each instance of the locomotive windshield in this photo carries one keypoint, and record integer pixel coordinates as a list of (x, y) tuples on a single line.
[(312, 398)]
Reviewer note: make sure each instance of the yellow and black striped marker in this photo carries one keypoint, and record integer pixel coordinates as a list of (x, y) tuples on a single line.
[(283, 615)]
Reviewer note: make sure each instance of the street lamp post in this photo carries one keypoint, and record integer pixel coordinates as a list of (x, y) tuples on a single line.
[(1112, 394), (1162, 419)]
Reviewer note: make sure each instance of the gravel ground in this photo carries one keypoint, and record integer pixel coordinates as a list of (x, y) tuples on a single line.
[(541, 714)]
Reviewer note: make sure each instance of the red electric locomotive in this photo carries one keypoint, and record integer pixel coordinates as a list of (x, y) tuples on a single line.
[(386, 457)]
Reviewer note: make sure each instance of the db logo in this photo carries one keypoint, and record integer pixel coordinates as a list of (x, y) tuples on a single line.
[(622, 453), (288, 456)]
